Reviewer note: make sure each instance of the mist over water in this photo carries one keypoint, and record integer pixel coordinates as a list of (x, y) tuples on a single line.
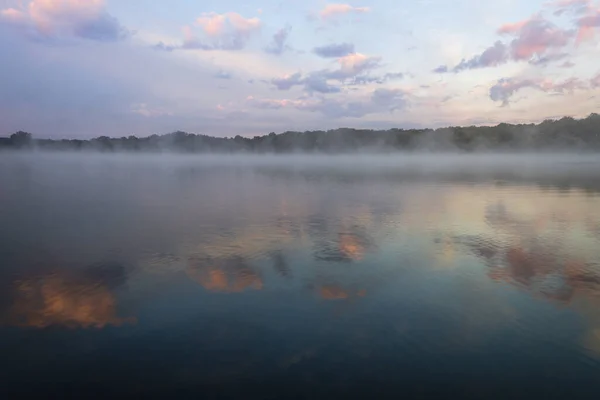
[(323, 275)]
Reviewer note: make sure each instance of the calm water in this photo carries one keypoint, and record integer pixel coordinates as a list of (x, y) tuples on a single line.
[(313, 277)]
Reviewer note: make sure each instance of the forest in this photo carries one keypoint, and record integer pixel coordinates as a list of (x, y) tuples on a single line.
[(565, 134)]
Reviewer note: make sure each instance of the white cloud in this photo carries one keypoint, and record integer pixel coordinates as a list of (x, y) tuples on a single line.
[(146, 111)]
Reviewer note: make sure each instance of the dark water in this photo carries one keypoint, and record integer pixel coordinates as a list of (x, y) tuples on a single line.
[(471, 277)]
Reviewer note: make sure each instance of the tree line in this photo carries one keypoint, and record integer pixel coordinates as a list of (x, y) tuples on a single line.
[(551, 135)]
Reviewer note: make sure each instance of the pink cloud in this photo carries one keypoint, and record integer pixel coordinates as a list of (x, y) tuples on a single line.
[(535, 36), (512, 28), (228, 31), (85, 19), (354, 61), (587, 24), (333, 10), (535, 40), (215, 24), (64, 9), (353, 65), (188, 33), (13, 15), (52, 16), (595, 81), (242, 24)]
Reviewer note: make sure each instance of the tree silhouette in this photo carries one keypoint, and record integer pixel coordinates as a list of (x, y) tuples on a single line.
[(21, 139), (565, 134)]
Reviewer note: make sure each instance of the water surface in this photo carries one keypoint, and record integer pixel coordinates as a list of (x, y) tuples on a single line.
[(306, 276)]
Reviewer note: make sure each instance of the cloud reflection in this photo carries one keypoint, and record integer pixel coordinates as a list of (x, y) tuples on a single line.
[(74, 300), (231, 275), (350, 245), (547, 251), (535, 253)]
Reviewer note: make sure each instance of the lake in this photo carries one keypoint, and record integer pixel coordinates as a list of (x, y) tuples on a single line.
[(306, 276)]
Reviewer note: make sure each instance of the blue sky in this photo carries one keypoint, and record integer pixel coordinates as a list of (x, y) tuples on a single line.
[(84, 68)]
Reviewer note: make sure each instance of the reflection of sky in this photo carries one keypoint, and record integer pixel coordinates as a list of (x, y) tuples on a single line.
[(428, 267), (63, 298), (432, 219)]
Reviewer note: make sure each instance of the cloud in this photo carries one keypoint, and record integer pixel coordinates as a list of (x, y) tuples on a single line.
[(335, 10), (587, 25), (351, 67), (354, 64), (569, 6), (442, 69), (567, 86), (228, 31), (149, 112), (273, 104), (595, 81), (491, 57), (164, 47), (505, 88), (393, 75), (313, 82), (223, 75), (366, 79), (535, 36), (545, 60), (277, 45), (380, 101), (316, 82), (513, 28), (588, 17), (288, 81), (12, 14), (334, 50), (64, 19), (213, 24), (536, 40), (216, 25), (567, 64)]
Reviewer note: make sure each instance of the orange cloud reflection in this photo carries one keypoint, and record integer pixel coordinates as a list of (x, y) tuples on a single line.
[(229, 276), (351, 247), (55, 300)]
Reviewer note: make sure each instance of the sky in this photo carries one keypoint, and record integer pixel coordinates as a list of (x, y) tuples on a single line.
[(86, 68)]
